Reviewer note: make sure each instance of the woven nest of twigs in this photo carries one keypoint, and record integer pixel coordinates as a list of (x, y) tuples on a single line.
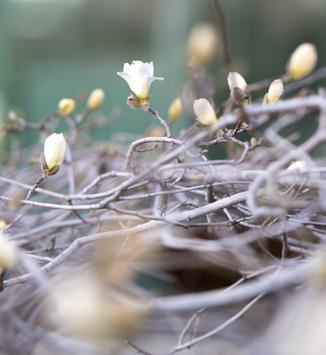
[(152, 245)]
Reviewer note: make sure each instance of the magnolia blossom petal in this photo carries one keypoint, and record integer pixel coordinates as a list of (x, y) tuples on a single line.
[(127, 77), (144, 93), (145, 69)]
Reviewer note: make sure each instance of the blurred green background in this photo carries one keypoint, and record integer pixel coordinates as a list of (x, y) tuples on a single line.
[(51, 49)]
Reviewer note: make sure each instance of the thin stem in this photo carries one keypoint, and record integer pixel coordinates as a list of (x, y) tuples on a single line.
[(37, 184), (141, 141), (161, 120), (24, 209), (219, 328), (222, 24)]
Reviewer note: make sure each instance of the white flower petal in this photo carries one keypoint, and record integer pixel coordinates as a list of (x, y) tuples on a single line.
[(157, 78), (125, 76), (151, 69)]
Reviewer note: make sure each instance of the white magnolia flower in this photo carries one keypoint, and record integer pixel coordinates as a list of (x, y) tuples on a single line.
[(204, 112), (54, 152), (139, 77)]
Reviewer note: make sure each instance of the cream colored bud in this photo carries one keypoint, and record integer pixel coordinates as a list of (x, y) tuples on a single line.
[(204, 112), (302, 61), (95, 100), (80, 306), (3, 224), (155, 132), (202, 43), (253, 142), (236, 81), (238, 86), (8, 252), (78, 309), (299, 166), (275, 91), (66, 106), (54, 152), (175, 110)]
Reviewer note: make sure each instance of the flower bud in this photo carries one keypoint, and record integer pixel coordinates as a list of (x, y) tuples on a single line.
[(155, 132), (302, 61), (54, 153), (80, 306), (298, 166), (8, 252), (275, 91), (202, 43), (175, 110), (204, 112), (3, 224), (253, 142), (236, 80), (237, 86), (66, 107), (95, 100)]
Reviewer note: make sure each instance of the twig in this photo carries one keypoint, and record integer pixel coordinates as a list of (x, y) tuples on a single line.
[(138, 349), (141, 141), (267, 284), (161, 121), (222, 24), (215, 331)]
